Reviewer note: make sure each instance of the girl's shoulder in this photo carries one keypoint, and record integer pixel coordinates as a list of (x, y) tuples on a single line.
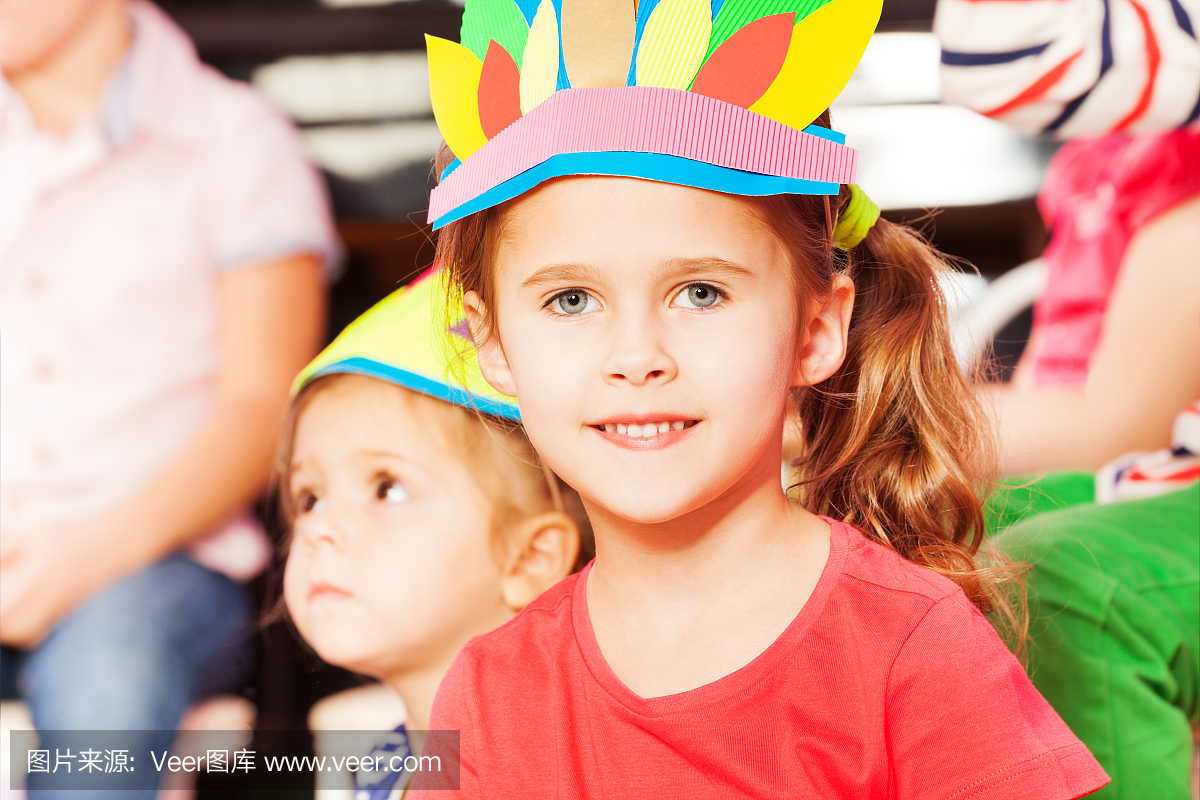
[(879, 592), (537, 632), (873, 564)]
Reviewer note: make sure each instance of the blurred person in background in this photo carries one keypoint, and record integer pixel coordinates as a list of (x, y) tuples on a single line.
[(162, 244), (1113, 356)]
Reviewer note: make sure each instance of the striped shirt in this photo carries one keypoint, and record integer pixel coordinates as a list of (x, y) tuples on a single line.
[(1073, 68)]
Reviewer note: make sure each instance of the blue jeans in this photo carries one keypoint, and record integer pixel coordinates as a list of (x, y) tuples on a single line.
[(133, 657)]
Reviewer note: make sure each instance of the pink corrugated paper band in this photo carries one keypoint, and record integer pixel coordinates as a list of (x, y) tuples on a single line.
[(644, 119)]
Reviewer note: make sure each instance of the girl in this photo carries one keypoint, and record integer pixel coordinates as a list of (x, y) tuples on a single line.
[(657, 261), (416, 523)]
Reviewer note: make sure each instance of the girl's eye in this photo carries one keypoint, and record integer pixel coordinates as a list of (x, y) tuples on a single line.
[(573, 302), (389, 491), (308, 502), (698, 295)]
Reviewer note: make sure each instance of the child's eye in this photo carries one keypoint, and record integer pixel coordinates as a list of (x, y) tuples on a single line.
[(698, 295), (573, 302), (390, 491), (307, 502)]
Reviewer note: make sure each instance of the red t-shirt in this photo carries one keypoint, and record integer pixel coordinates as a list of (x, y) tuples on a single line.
[(889, 683)]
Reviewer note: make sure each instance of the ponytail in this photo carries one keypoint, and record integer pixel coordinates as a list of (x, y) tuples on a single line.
[(895, 442)]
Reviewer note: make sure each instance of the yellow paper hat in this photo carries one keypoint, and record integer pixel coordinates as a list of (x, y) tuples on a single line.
[(405, 339)]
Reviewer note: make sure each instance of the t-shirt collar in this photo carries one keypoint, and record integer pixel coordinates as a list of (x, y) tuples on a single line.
[(154, 89)]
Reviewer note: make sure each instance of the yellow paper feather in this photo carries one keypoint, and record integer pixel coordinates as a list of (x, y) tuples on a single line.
[(826, 47), (539, 67), (674, 43), (454, 89)]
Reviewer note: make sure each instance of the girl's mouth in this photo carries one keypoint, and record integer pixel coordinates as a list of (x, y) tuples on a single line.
[(650, 435), (325, 591), (645, 430)]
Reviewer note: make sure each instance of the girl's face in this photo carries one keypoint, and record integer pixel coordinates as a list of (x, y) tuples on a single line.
[(390, 567), (650, 334)]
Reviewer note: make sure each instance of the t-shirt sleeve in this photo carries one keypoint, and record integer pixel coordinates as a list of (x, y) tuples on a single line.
[(963, 720), (264, 200), (450, 739)]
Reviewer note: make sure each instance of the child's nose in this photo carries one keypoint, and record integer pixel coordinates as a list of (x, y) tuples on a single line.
[(638, 357), (326, 529)]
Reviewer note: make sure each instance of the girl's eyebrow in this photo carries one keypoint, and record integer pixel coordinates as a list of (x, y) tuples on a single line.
[(702, 267), (671, 268), (383, 454), (562, 273)]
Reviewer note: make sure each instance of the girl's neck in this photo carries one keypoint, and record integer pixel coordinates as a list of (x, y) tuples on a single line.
[(416, 689), (706, 592), (65, 86), (707, 543)]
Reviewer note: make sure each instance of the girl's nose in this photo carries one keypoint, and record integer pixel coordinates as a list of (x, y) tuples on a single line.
[(638, 357), (325, 528)]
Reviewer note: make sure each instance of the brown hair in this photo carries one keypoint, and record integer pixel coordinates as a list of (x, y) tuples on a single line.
[(894, 442), (504, 464)]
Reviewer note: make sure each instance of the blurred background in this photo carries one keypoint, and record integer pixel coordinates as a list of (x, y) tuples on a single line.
[(352, 75)]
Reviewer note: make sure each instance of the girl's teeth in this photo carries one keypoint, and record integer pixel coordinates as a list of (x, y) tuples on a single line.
[(646, 430)]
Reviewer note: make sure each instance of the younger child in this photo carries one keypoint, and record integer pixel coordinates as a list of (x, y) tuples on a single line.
[(657, 260), (417, 523)]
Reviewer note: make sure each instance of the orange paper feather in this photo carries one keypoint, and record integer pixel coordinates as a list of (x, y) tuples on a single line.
[(746, 64), (499, 90)]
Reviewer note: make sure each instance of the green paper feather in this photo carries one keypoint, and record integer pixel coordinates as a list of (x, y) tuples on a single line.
[(736, 14), (502, 20)]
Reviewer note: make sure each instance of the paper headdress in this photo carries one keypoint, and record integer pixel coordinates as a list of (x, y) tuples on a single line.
[(716, 94), (404, 339)]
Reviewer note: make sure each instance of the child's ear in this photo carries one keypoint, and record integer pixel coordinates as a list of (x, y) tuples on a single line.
[(492, 361), (825, 330), (542, 550)]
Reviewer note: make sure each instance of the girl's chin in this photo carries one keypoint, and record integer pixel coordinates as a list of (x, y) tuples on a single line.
[(650, 508)]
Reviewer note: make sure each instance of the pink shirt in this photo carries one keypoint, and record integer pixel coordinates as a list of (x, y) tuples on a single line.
[(112, 242), (1097, 194), (887, 684)]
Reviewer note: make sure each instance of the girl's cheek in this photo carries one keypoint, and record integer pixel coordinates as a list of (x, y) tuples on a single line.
[(295, 581)]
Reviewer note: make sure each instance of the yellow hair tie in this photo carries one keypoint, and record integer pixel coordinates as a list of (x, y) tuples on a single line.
[(856, 219)]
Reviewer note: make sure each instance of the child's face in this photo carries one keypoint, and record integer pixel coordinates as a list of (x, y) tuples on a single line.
[(32, 29), (390, 568), (622, 302)]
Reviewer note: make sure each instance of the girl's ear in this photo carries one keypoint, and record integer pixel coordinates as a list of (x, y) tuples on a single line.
[(492, 361), (825, 331), (542, 551)]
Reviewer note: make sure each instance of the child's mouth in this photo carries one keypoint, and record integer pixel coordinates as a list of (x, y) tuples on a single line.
[(644, 430), (325, 591)]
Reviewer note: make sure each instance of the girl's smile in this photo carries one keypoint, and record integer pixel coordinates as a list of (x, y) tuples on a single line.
[(645, 431)]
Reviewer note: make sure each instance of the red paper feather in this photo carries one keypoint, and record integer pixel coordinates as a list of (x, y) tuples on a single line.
[(499, 90), (745, 65)]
